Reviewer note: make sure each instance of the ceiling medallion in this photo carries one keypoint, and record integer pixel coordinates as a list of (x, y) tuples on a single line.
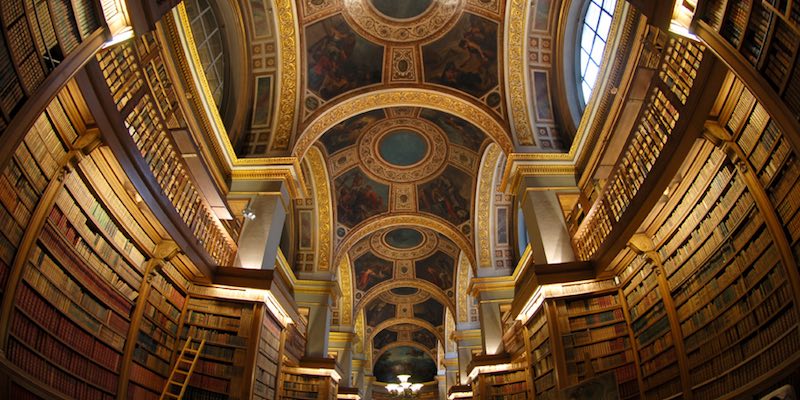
[(423, 152), (400, 243), (395, 21)]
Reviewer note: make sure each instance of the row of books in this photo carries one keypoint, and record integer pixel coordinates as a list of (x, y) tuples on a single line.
[(578, 338), (576, 353), (682, 59), (591, 303), (698, 330), (508, 389), (146, 378), (505, 378), (100, 367), (710, 169), (753, 368), (770, 320), (97, 171), (268, 357), (111, 329), (52, 375), (703, 244), (591, 320), (212, 335)]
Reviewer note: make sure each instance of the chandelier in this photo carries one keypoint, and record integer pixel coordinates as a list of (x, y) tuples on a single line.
[(404, 389)]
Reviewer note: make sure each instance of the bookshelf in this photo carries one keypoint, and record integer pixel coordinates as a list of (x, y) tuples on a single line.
[(541, 356), (34, 164), (299, 386), (226, 326), (665, 107), (594, 335), (268, 358), (772, 159), (158, 332), (139, 84), (510, 384), (72, 309), (765, 36), (649, 323), (37, 36)]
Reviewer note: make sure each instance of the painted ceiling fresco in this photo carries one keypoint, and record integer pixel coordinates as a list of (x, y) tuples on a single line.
[(405, 360), (347, 86)]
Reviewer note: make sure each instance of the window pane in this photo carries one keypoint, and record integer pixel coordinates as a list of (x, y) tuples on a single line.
[(595, 30)]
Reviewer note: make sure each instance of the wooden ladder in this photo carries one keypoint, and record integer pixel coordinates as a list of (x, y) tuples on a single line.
[(183, 368)]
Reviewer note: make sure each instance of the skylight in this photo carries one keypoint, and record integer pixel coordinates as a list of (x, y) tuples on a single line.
[(594, 34)]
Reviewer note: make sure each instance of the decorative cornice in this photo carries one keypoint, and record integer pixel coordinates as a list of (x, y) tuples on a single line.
[(322, 198), (516, 83), (399, 97), (521, 165), (285, 169)]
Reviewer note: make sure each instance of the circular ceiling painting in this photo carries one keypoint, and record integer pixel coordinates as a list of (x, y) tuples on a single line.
[(402, 147), (401, 9), (404, 238), (404, 291)]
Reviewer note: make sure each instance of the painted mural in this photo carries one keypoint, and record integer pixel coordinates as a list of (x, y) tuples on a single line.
[(383, 338), (430, 310), (404, 238), (458, 131), (401, 9), (358, 197), (425, 338), (448, 196), (465, 58), (339, 59), (404, 360), (437, 269), (371, 270), (345, 133), (378, 311)]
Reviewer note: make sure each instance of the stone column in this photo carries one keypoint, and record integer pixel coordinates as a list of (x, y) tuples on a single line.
[(547, 231), (265, 215)]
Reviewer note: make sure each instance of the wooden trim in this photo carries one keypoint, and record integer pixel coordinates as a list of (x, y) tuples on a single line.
[(674, 325), (34, 228), (754, 82), (252, 350), (636, 360), (24, 119), (687, 129), (556, 344), (116, 135), (133, 329)]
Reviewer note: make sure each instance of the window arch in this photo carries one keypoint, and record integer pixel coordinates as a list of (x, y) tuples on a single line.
[(593, 38), (210, 45)]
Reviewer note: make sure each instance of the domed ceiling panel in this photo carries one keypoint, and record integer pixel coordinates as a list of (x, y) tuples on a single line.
[(378, 311), (338, 59), (431, 311), (371, 270), (438, 269), (466, 57), (405, 360), (403, 159)]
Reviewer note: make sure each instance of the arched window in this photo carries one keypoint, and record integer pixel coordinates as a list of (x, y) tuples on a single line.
[(209, 42), (594, 34)]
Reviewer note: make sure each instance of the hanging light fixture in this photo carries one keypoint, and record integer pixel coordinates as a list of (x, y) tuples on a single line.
[(404, 389)]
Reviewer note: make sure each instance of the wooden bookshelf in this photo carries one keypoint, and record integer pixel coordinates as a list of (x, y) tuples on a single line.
[(158, 333), (299, 386), (594, 335), (35, 38), (268, 358), (659, 128), (542, 361), (72, 310), (510, 384), (759, 39), (226, 326), (136, 76)]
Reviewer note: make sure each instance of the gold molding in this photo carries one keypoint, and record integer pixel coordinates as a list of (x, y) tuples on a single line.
[(483, 206), (462, 303), (436, 21), (404, 321), (434, 291), (516, 83), (346, 301), (520, 165), (437, 224), (287, 90), (399, 97), (410, 344), (322, 197), (289, 78), (285, 169)]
